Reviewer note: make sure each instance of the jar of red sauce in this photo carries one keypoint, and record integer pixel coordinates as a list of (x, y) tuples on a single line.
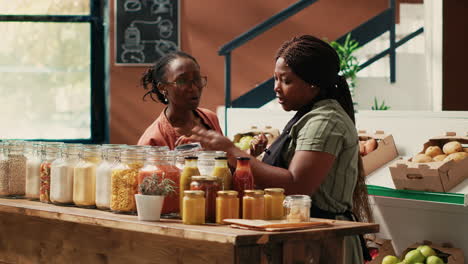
[(210, 185)]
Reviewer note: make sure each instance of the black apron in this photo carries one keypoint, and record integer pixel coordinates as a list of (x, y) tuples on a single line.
[(273, 157)]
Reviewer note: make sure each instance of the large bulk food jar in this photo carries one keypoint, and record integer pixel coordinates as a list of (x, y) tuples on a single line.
[(62, 173), (190, 169), (84, 176), (124, 181), (253, 204), (3, 171), (206, 161), (161, 163), (223, 173), (210, 186), (50, 153), (33, 164), (110, 156), (16, 168), (274, 198), (227, 206)]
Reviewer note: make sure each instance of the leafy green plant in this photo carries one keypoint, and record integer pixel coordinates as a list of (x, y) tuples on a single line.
[(382, 106), (152, 185), (349, 64)]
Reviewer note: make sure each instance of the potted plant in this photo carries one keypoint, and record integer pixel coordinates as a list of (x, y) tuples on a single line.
[(152, 191)]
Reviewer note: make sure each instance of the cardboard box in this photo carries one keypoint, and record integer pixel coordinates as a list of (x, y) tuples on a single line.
[(385, 248), (432, 176), (385, 152), (446, 252)]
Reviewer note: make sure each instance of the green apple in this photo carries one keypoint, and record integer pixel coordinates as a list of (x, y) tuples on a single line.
[(426, 251), (434, 260), (390, 260), (414, 256)]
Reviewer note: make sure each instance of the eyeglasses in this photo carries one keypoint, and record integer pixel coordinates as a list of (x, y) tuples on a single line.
[(184, 83)]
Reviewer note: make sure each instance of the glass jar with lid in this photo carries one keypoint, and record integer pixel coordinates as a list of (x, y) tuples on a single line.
[(253, 204), (210, 186), (194, 208), (206, 161), (33, 164), (84, 176), (161, 163), (185, 150), (124, 180), (227, 206), (61, 174), (50, 152), (110, 158), (190, 169), (297, 208), (274, 198), (16, 168), (223, 173), (3, 171)]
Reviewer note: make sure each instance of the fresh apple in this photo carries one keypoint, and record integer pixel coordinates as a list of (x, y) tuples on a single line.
[(434, 260), (426, 251), (414, 256), (390, 260)]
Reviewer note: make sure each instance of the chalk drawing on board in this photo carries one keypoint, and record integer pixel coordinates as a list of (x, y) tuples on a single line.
[(161, 7), (165, 28), (164, 47), (132, 5)]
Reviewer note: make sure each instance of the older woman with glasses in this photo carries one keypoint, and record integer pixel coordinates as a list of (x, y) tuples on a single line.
[(175, 81)]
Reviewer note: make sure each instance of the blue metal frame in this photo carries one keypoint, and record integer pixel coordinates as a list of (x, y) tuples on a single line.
[(99, 82)]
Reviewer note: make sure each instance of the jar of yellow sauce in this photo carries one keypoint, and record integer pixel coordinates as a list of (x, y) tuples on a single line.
[(253, 204), (274, 209), (190, 169), (193, 208), (227, 206), (222, 172)]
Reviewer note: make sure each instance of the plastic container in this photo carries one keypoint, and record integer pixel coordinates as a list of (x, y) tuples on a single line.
[(227, 206), (297, 208), (253, 204), (84, 178), (274, 209), (194, 208), (61, 174)]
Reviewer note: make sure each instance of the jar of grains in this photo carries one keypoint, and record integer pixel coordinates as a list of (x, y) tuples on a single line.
[(110, 158), (33, 164), (61, 174), (16, 168), (84, 178), (3, 171), (124, 184), (50, 152)]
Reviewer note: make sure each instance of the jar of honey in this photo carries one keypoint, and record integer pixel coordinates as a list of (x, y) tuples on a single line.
[(274, 209), (194, 208), (227, 206), (253, 204)]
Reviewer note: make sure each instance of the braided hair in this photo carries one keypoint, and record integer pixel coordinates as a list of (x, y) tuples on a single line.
[(317, 63), (156, 74)]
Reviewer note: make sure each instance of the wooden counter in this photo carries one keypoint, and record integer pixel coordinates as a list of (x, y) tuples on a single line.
[(34, 232)]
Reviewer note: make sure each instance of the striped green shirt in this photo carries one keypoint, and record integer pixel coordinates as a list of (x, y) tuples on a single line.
[(327, 128)]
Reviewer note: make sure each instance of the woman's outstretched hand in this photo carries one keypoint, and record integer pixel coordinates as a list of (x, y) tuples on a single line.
[(211, 140)]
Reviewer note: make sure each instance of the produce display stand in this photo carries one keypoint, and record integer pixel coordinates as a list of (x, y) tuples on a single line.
[(34, 232)]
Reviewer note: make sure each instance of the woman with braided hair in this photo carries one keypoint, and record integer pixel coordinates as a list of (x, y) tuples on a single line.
[(317, 153), (175, 81)]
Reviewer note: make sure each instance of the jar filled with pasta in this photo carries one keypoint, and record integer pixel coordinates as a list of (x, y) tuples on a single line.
[(61, 174), (124, 180), (110, 158), (50, 153), (84, 178)]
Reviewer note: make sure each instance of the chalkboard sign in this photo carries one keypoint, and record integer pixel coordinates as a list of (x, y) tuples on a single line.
[(145, 30)]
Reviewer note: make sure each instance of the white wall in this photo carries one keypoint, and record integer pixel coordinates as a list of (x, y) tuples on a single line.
[(410, 92)]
